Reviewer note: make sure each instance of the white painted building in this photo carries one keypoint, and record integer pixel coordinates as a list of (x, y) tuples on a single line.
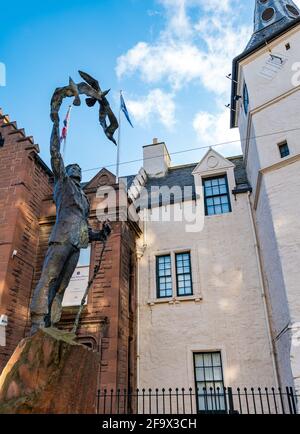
[(219, 291), (267, 78)]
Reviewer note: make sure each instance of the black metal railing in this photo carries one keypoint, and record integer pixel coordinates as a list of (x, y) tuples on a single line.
[(190, 401)]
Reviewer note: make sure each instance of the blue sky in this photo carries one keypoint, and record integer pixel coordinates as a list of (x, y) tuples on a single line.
[(169, 57)]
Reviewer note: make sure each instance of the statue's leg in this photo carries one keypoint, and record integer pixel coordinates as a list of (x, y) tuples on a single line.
[(68, 251), (68, 272), (52, 268)]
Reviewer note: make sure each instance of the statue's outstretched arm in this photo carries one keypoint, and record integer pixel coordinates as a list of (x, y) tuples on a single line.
[(59, 95), (57, 162)]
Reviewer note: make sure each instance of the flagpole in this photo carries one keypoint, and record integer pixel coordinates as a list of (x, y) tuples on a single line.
[(119, 142)]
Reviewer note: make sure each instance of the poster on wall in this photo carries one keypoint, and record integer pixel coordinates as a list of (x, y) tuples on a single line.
[(2, 336), (77, 287)]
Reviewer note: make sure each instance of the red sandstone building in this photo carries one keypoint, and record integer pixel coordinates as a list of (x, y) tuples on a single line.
[(27, 214)]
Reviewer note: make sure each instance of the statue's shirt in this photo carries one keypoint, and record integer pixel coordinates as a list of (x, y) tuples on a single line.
[(72, 211)]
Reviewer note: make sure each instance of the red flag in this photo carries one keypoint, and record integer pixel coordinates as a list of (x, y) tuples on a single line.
[(66, 125)]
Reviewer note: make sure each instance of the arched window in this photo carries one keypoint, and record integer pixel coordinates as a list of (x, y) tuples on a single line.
[(245, 99)]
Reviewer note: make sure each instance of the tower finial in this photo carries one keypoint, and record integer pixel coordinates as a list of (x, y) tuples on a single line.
[(269, 17)]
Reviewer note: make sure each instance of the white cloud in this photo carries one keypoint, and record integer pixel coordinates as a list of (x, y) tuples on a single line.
[(188, 50), (215, 6), (176, 57), (178, 22), (157, 103), (214, 129)]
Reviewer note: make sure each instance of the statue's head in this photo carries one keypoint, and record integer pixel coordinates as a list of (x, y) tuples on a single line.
[(74, 171)]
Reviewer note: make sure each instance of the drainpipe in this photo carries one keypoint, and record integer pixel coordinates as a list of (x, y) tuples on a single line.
[(140, 253), (263, 291), (138, 324)]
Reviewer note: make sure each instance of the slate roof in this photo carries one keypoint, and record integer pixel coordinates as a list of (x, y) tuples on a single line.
[(263, 30), (182, 176), (265, 34)]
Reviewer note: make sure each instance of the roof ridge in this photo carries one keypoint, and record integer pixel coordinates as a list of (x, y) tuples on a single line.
[(180, 166), (235, 157)]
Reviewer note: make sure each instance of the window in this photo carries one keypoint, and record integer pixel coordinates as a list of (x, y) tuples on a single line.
[(1, 141), (268, 14), (216, 195), (84, 257), (284, 149), (183, 274), (164, 276), (88, 342), (245, 99), (292, 10), (209, 382)]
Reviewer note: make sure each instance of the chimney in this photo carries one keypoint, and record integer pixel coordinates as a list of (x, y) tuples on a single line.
[(156, 159)]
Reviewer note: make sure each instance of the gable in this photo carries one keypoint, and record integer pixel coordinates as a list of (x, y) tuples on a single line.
[(104, 177), (212, 162)]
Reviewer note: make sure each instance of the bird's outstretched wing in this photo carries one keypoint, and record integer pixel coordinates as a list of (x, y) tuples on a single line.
[(104, 109), (90, 80), (113, 126)]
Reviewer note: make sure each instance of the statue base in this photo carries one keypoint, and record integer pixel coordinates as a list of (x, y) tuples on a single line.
[(50, 373)]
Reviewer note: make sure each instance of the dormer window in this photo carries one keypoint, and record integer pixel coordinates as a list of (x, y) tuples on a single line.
[(245, 99), (216, 195)]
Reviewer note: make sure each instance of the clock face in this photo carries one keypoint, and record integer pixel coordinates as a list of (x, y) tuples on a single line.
[(245, 99)]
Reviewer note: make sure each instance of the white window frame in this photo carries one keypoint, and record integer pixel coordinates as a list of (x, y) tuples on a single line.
[(175, 299)]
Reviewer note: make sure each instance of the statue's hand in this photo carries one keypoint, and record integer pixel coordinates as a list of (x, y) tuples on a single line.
[(101, 235)]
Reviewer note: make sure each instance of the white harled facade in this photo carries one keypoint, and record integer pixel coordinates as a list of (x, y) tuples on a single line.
[(267, 115), (220, 287)]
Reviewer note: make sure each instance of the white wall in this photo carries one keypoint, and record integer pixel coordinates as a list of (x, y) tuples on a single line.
[(262, 90), (156, 159), (274, 108), (229, 317)]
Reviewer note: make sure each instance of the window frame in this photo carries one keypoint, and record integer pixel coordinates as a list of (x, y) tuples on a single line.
[(158, 289), (220, 195), (186, 252), (222, 394), (286, 146)]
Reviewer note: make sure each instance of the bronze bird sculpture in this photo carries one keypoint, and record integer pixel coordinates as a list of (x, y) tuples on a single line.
[(105, 111), (91, 89)]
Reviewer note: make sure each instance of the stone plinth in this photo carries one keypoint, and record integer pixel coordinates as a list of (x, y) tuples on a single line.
[(50, 373)]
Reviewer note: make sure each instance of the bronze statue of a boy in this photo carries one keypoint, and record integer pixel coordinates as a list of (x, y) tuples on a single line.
[(71, 231)]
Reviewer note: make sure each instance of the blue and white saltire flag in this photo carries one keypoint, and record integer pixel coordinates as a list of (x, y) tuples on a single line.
[(124, 109)]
